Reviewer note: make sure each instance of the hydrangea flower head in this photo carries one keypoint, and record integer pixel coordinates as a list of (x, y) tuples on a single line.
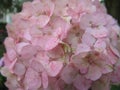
[(62, 45)]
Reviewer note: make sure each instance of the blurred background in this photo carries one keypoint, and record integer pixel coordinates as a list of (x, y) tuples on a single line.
[(10, 7)]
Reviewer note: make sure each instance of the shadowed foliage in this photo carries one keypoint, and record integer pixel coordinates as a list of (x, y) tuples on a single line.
[(113, 8)]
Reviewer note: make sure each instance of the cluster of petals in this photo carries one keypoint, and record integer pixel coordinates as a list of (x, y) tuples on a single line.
[(62, 45)]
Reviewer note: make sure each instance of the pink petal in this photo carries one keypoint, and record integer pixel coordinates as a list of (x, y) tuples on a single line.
[(80, 63), (10, 47), (88, 39), (20, 46), (19, 69), (27, 35), (99, 32), (68, 74), (81, 48), (81, 83), (5, 71), (37, 66), (40, 21), (11, 54), (47, 42), (28, 8), (32, 80), (94, 73), (102, 84), (28, 52), (57, 52), (100, 45), (114, 51), (44, 7), (12, 65), (43, 59), (44, 79), (9, 43), (54, 68)]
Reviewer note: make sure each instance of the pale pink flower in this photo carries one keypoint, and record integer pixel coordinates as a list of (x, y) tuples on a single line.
[(30, 77), (78, 8), (68, 74), (44, 79), (92, 65), (115, 77), (99, 32), (12, 81), (54, 68), (81, 83), (62, 45), (88, 39), (102, 84)]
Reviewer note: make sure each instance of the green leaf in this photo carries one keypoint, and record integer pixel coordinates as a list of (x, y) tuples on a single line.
[(114, 87)]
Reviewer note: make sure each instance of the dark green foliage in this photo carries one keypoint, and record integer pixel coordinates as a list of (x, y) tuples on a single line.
[(5, 4), (114, 87), (3, 34), (113, 8), (2, 80)]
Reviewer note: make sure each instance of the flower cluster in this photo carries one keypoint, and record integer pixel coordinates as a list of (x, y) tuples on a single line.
[(62, 45)]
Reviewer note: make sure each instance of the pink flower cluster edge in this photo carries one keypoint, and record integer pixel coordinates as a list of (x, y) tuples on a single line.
[(62, 45)]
